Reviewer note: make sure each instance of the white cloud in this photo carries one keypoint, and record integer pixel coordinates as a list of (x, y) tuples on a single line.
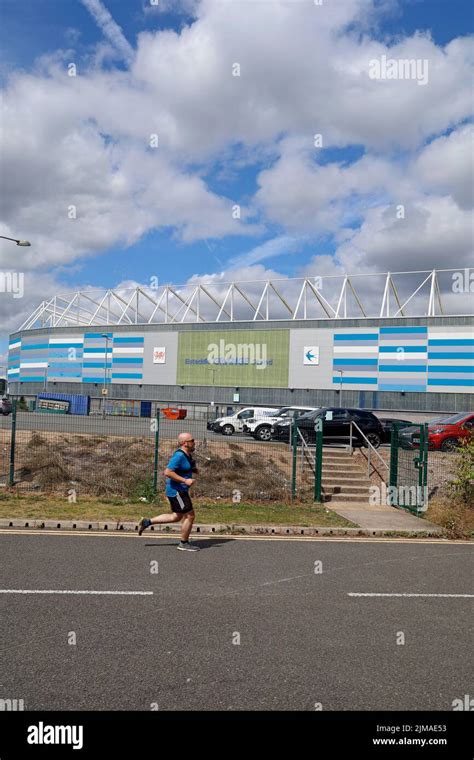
[(275, 247), (109, 27), (84, 141), (434, 233), (447, 166)]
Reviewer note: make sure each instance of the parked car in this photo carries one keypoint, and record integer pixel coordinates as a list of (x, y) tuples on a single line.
[(444, 433), (235, 423), (336, 426), (387, 424), (261, 429), (5, 406)]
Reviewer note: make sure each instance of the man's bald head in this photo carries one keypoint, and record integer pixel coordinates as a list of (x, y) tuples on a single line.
[(186, 442), (184, 437)]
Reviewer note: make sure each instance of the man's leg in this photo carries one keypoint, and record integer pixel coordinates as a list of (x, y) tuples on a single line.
[(145, 522), (186, 525), (170, 518)]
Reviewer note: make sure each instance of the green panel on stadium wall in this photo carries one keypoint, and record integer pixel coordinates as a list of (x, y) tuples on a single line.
[(253, 358)]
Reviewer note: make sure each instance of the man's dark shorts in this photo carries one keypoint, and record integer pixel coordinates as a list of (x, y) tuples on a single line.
[(181, 503)]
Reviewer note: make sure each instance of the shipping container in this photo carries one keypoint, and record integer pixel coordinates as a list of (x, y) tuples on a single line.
[(78, 404)]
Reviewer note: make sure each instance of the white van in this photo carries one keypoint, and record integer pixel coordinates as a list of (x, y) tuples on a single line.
[(261, 429), (235, 423)]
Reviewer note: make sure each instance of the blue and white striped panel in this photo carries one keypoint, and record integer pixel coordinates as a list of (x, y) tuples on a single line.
[(14, 347), (65, 358), (127, 358), (33, 359), (451, 360), (355, 358), (95, 368), (403, 356)]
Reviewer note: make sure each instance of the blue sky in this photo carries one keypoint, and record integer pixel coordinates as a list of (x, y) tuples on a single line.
[(260, 158)]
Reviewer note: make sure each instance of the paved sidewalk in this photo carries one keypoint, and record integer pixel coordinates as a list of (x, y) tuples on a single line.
[(384, 518)]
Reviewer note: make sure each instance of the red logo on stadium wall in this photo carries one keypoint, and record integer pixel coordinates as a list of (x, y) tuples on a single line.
[(159, 355)]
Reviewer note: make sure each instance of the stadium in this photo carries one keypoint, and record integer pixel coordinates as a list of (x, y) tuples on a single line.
[(393, 341)]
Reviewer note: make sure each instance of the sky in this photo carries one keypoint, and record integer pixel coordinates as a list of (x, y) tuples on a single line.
[(219, 140)]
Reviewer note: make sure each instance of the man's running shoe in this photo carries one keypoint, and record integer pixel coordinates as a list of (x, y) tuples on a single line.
[(145, 522), (188, 547)]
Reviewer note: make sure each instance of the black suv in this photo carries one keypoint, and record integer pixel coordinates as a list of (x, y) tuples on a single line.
[(336, 426)]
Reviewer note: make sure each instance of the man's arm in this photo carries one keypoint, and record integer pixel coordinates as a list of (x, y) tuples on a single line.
[(174, 476)]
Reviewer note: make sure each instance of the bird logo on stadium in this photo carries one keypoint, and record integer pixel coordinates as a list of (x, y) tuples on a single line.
[(311, 355)]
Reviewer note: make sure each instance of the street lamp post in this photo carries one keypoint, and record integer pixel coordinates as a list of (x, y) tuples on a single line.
[(23, 243), (45, 379), (104, 390), (341, 371)]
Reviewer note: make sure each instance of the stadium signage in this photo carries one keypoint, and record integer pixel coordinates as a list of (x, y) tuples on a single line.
[(238, 353)]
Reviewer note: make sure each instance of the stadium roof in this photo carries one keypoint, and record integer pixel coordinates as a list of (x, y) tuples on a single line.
[(439, 292)]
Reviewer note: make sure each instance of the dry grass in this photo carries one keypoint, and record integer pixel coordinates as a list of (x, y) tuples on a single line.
[(95, 465), (456, 517), (106, 466)]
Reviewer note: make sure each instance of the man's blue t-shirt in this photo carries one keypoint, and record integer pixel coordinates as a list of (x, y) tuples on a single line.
[(182, 466)]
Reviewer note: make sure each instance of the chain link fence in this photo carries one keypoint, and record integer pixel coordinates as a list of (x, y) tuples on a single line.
[(107, 455)]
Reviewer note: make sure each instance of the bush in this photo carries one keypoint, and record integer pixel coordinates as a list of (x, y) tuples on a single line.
[(463, 483)]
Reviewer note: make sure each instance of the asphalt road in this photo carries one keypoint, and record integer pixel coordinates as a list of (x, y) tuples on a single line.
[(243, 624)]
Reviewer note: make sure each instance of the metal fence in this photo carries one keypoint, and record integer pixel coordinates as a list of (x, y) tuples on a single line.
[(124, 457), (117, 456)]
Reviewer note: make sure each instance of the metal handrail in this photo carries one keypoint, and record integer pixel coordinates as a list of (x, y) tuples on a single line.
[(370, 447), (305, 448)]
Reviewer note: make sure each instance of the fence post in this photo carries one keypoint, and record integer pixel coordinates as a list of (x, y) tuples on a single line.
[(157, 441), (423, 472), (318, 465), (393, 476), (11, 478), (294, 442)]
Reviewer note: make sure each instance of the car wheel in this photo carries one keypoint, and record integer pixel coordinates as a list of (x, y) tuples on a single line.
[(227, 430), (306, 435), (263, 433), (449, 444), (374, 439)]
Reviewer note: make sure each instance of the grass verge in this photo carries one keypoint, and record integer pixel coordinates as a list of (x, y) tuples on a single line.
[(49, 508)]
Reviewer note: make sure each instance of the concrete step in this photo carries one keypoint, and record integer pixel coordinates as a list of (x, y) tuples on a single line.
[(349, 487), (336, 455), (342, 481), (350, 469), (353, 498)]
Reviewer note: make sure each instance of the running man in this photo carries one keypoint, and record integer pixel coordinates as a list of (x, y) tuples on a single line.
[(179, 480)]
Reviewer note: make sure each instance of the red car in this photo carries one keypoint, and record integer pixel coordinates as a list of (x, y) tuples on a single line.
[(447, 433)]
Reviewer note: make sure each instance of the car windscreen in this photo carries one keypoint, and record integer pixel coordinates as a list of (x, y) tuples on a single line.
[(449, 420), (310, 415)]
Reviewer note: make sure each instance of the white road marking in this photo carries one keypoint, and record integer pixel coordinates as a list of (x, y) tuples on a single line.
[(284, 580), (451, 596), (230, 536), (67, 591)]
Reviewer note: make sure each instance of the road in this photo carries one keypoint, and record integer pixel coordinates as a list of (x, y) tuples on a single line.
[(243, 624)]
